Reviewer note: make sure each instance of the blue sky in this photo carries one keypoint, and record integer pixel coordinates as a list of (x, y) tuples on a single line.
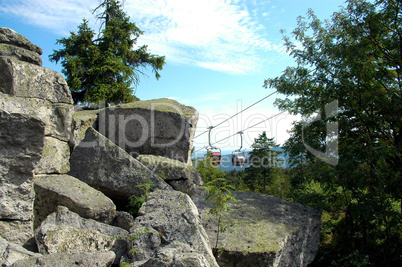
[(218, 53)]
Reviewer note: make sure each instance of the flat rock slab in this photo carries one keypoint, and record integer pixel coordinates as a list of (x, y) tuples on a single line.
[(105, 166), (64, 190), (263, 231), (101, 259)]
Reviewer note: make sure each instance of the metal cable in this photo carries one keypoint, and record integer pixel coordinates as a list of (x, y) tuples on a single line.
[(273, 116), (237, 113)]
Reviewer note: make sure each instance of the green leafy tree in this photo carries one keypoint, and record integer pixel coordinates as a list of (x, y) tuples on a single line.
[(356, 59), (105, 69), (263, 159)]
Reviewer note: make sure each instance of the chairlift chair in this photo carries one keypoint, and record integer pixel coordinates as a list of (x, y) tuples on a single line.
[(216, 157), (238, 158)]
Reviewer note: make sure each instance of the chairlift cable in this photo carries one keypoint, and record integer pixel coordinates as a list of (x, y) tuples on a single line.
[(236, 114), (273, 116)]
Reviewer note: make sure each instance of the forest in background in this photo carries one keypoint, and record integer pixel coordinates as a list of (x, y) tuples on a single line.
[(347, 161)]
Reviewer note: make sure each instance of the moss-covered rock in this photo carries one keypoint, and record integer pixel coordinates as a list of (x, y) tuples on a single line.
[(263, 231)]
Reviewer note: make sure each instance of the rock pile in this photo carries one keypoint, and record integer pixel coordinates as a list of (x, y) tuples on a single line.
[(65, 175)]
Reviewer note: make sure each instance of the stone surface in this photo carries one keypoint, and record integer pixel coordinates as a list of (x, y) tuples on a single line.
[(82, 120), (103, 165), (179, 256), (181, 176), (9, 36), (10, 253), (63, 215), (123, 220), (21, 146), (22, 79), (19, 53), (35, 124), (18, 232), (64, 190), (55, 153), (88, 228), (63, 238), (15, 45), (101, 259), (161, 127), (57, 117), (264, 231), (175, 231)]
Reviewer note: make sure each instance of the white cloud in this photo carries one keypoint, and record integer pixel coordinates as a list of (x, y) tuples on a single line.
[(218, 34), (60, 16), (222, 35)]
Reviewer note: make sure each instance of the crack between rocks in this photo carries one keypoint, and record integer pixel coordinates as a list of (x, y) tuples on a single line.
[(13, 220)]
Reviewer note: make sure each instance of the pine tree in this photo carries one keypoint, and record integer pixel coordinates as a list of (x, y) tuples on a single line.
[(263, 159), (106, 69)]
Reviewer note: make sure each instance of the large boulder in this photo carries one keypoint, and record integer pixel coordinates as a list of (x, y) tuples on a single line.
[(15, 45), (102, 259), (263, 231), (103, 165), (176, 236), (181, 176), (53, 235), (161, 127), (64, 190)]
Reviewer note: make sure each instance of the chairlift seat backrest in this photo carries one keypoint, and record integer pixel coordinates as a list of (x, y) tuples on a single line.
[(216, 157), (238, 159)]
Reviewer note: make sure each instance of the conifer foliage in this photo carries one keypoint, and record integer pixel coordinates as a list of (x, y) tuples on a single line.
[(105, 68)]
